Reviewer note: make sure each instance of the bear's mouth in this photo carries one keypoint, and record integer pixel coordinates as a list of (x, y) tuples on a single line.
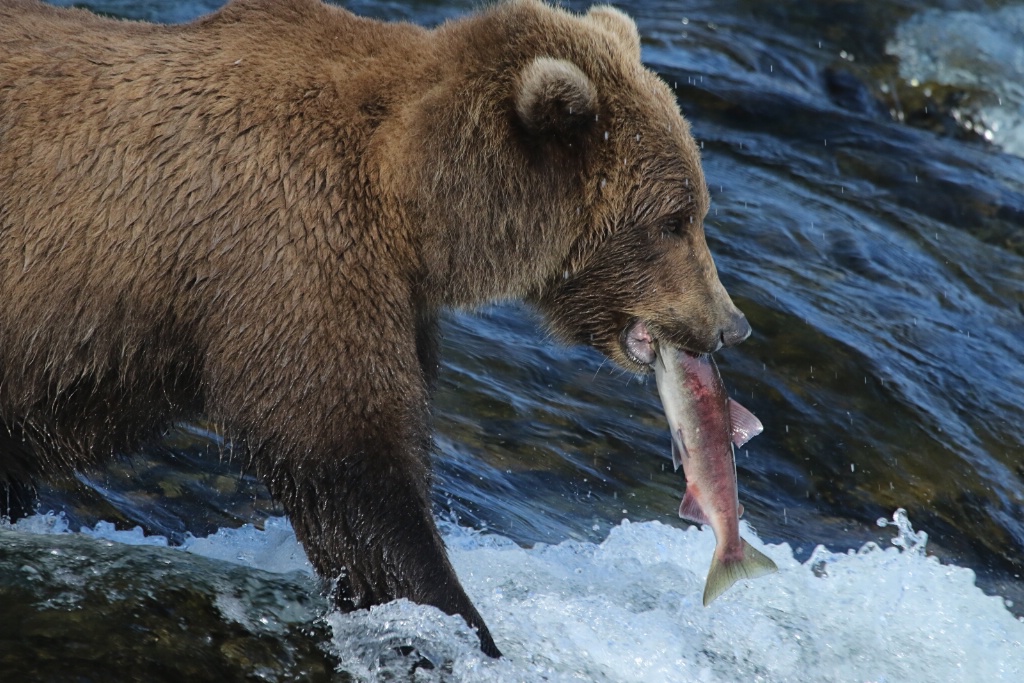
[(638, 343)]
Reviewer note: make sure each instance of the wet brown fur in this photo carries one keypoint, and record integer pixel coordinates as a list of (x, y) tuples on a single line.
[(256, 218)]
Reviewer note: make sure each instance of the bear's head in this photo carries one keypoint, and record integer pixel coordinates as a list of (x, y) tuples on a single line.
[(560, 169)]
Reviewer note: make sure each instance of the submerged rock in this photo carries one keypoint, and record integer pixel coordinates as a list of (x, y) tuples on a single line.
[(75, 608)]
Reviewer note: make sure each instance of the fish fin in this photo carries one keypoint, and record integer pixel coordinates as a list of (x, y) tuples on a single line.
[(723, 575), (739, 510), (745, 425), (677, 457), (690, 508)]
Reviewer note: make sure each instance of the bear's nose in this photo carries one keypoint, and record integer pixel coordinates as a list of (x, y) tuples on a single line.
[(736, 331)]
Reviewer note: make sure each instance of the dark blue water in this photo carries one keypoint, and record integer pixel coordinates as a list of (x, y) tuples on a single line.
[(868, 216)]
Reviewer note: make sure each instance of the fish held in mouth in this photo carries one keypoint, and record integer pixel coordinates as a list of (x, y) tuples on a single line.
[(705, 425)]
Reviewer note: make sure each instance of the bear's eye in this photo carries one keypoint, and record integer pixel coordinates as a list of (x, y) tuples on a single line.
[(673, 227)]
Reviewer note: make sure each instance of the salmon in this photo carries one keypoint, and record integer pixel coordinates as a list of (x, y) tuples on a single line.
[(705, 425)]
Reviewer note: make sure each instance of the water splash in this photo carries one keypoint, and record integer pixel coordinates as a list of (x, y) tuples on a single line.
[(628, 609), (976, 50), (907, 540)]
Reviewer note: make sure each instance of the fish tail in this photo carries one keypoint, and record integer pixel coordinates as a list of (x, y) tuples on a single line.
[(724, 574)]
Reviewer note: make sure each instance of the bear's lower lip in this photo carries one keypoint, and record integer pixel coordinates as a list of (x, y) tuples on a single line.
[(638, 343)]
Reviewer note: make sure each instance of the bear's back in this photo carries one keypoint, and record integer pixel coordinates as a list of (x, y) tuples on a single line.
[(147, 171)]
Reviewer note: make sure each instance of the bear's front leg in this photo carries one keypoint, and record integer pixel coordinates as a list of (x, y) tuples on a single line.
[(345, 448), (363, 515)]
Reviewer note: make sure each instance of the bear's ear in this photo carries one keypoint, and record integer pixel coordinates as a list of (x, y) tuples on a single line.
[(554, 97), (620, 25)]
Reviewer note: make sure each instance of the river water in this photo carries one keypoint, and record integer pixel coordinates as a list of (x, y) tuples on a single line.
[(866, 165)]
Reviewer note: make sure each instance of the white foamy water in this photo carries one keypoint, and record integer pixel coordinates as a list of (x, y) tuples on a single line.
[(977, 50), (629, 609)]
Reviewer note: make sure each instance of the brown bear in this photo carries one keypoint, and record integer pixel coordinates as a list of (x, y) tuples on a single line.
[(256, 218)]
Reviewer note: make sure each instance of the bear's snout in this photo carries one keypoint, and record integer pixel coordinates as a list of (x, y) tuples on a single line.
[(736, 330)]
